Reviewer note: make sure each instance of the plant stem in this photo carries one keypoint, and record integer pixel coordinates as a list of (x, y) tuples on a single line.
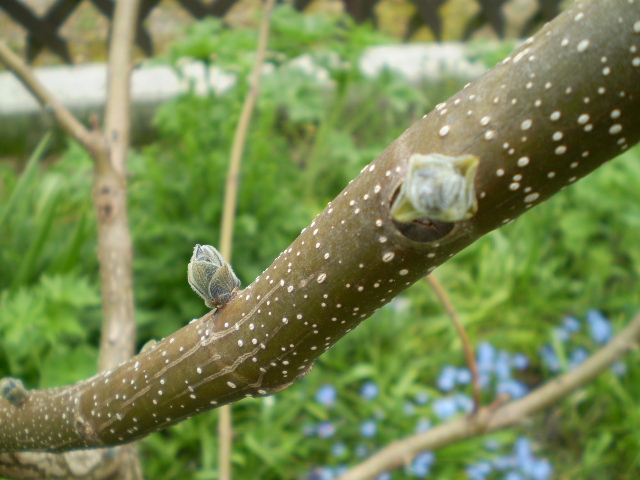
[(441, 293), (225, 426)]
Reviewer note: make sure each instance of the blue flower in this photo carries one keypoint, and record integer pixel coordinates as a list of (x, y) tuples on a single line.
[(503, 365), (338, 449), (484, 379), (422, 463), (541, 470), (571, 324), (479, 471), (320, 473), (341, 470), (505, 462), (326, 395), (513, 388), (550, 358), (368, 428), (422, 398), (369, 390), (384, 476), (599, 327), (492, 445), (463, 376), (514, 476), (474, 474), (444, 408), (578, 356), (520, 361), (408, 408), (464, 402), (423, 425), (447, 379), (619, 368), (563, 334), (362, 450), (326, 430), (314, 475), (485, 356), (524, 453)]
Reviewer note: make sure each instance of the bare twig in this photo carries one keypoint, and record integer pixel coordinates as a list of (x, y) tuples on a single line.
[(92, 141), (239, 139), (225, 427), (118, 108), (489, 419), (117, 342), (441, 293), (109, 196)]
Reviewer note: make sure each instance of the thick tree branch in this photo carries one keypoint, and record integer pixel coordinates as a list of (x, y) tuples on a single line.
[(564, 103), (490, 419), (99, 464)]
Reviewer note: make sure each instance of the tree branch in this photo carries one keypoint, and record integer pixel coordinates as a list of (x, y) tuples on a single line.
[(490, 419), (441, 293), (114, 241), (118, 109), (110, 197), (240, 136), (115, 248), (536, 127), (225, 427), (91, 141)]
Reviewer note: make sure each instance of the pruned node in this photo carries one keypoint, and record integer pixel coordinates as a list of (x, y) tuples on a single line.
[(211, 276), (12, 390), (149, 345), (439, 188)]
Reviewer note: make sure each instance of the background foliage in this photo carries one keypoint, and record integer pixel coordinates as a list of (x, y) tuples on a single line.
[(319, 121)]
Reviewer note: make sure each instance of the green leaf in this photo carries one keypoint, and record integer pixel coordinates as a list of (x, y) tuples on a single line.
[(26, 177)]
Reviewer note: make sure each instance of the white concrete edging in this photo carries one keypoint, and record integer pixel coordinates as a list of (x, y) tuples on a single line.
[(82, 88)]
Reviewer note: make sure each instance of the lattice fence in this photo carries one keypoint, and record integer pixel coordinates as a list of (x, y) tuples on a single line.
[(43, 29)]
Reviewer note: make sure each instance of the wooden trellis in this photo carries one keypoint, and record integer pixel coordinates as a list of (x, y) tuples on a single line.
[(43, 30)]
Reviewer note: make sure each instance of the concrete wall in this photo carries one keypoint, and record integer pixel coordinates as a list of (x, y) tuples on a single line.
[(82, 88)]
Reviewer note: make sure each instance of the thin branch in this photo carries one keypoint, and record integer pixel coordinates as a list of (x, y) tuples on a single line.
[(240, 137), (115, 250), (109, 197), (441, 293), (118, 108), (225, 426), (92, 141), (489, 419)]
